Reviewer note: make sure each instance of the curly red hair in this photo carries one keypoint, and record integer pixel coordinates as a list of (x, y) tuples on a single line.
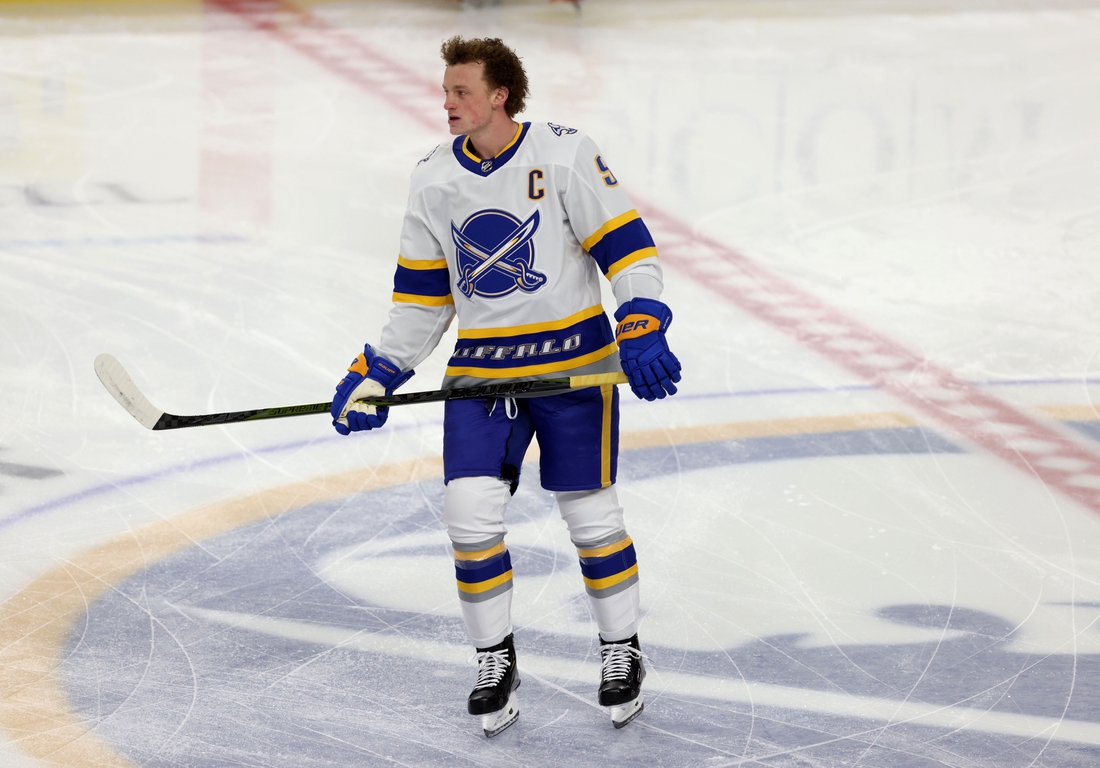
[(502, 67)]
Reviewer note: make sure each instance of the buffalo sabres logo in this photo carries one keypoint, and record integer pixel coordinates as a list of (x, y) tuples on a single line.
[(496, 254), (428, 156), (561, 129)]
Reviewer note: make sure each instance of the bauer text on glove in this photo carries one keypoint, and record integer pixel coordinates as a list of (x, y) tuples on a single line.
[(649, 365)]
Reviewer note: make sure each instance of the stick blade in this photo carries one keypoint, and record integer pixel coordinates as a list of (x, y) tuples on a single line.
[(122, 388)]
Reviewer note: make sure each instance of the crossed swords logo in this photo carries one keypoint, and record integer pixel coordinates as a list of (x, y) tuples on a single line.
[(527, 278)]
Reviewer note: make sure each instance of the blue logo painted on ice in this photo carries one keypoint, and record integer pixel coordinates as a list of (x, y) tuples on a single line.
[(496, 254)]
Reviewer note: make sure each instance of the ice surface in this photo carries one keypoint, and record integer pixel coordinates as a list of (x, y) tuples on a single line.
[(831, 575)]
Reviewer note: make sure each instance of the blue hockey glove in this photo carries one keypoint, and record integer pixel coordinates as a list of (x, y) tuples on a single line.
[(648, 363), (368, 376)]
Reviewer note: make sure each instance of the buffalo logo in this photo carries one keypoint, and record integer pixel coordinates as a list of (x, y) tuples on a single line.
[(561, 129), (496, 254), (428, 156)]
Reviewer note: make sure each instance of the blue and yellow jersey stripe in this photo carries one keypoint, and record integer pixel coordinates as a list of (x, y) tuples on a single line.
[(533, 349), (426, 282), (620, 242)]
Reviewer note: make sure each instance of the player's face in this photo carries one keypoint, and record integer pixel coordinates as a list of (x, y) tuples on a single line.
[(468, 102)]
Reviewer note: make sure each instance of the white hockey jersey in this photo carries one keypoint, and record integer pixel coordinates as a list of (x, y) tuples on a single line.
[(515, 246)]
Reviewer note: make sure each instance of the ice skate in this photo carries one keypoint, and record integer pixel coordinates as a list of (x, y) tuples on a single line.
[(621, 680), (493, 697)]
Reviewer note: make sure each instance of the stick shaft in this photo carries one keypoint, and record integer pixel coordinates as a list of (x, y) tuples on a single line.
[(172, 421), (118, 382), (508, 389)]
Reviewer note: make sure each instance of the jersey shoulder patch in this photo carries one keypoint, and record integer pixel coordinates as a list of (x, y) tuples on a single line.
[(560, 130), (433, 168), (428, 156)]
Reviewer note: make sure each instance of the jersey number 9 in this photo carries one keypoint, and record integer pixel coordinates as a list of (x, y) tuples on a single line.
[(608, 177)]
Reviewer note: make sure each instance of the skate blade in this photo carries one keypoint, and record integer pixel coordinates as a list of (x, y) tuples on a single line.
[(495, 722), (624, 713)]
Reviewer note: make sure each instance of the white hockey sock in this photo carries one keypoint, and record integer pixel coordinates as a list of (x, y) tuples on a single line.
[(610, 572), (473, 511), (608, 562)]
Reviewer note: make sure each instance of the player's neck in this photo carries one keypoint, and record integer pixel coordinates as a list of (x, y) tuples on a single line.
[(488, 142)]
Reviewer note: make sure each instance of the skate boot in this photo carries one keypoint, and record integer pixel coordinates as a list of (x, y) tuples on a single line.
[(497, 677), (621, 680)]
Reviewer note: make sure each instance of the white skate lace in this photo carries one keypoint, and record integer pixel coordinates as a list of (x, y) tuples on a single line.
[(616, 660), (492, 666)]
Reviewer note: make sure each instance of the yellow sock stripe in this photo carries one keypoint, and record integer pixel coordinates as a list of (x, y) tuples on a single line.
[(611, 581), (610, 549), (485, 586), (482, 554)]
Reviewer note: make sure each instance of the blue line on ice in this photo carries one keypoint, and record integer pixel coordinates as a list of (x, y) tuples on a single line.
[(176, 469)]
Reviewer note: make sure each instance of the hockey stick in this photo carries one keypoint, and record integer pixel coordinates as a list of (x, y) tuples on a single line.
[(123, 389)]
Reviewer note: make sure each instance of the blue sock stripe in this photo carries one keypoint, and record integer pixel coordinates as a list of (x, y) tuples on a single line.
[(475, 571), (602, 567)]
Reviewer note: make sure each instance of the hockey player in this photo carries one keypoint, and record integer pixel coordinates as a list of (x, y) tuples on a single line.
[(510, 227)]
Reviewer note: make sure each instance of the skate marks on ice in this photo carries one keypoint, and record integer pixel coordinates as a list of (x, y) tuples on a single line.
[(35, 622), (260, 636), (21, 472), (26, 471), (964, 411)]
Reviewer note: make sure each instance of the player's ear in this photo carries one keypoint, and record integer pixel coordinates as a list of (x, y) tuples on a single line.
[(500, 97)]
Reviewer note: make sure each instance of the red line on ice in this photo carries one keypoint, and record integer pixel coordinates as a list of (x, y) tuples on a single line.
[(981, 418), (1024, 442)]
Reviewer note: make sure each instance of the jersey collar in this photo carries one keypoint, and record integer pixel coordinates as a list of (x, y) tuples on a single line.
[(464, 153)]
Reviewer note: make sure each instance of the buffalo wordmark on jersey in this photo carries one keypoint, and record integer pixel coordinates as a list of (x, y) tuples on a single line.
[(515, 246)]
